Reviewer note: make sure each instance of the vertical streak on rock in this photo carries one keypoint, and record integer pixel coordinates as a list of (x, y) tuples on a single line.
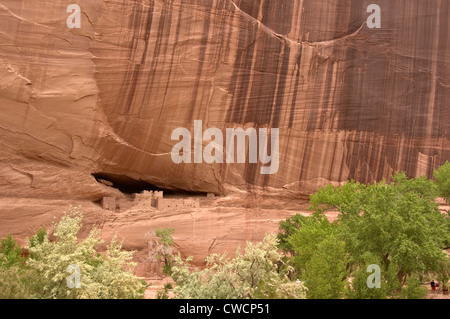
[(203, 48), (434, 76), (239, 80), (298, 63), (172, 66), (133, 73), (349, 104), (262, 78), (161, 46), (421, 168)]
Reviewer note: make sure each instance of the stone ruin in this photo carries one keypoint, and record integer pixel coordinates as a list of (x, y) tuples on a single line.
[(109, 203), (115, 205), (149, 200), (176, 203)]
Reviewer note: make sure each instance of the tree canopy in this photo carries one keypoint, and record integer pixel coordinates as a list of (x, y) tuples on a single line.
[(396, 225), (442, 176)]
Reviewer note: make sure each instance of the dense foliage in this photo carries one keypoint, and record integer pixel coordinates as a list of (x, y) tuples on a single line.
[(251, 274), (442, 176), (50, 267), (397, 226)]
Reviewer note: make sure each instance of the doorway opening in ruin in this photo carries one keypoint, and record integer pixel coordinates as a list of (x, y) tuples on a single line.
[(130, 186)]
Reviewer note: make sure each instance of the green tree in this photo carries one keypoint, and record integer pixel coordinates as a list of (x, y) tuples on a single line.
[(442, 176), (398, 223), (443, 273), (325, 272), (166, 248), (288, 228), (413, 289), (320, 257), (10, 253), (359, 289), (16, 280), (305, 240)]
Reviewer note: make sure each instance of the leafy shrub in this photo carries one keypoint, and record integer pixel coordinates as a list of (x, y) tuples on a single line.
[(45, 273), (251, 274)]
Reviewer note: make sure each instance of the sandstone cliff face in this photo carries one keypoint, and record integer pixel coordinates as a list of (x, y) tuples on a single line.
[(350, 102)]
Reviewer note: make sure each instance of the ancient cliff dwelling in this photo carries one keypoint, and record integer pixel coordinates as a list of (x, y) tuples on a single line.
[(149, 199), (217, 119)]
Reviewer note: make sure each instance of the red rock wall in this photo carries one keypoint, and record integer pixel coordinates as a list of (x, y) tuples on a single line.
[(350, 102)]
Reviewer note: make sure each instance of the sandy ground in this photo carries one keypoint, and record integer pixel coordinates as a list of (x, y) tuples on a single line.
[(436, 294)]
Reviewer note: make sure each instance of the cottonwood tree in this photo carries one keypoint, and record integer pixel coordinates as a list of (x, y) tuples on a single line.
[(442, 176), (399, 223), (320, 257)]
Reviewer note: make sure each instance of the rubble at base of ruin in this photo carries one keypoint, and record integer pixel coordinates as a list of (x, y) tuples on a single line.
[(149, 200)]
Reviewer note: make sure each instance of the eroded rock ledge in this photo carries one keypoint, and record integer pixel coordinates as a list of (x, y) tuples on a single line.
[(350, 102)]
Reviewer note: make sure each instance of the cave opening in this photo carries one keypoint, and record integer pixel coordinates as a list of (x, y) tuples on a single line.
[(130, 186)]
